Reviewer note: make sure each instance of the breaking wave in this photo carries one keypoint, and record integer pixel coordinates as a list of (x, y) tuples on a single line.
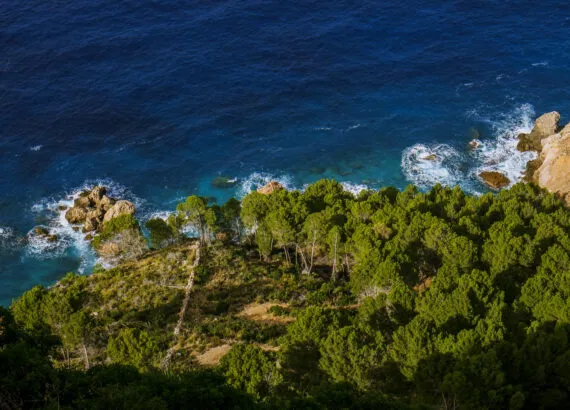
[(426, 165), (257, 180)]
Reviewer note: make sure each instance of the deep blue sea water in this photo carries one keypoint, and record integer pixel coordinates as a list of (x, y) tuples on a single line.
[(156, 98)]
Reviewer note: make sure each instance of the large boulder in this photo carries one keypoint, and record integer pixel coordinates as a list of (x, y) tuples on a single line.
[(544, 126), (270, 188), (494, 179), (121, 207), (76, 215)]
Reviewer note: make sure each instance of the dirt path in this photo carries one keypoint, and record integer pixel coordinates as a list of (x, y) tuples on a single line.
[(187, 289)]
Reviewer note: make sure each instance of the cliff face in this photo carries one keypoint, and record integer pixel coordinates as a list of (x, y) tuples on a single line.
[(554, 170), (551, 170)]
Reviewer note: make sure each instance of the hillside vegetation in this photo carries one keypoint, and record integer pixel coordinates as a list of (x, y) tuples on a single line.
[(315, 299)]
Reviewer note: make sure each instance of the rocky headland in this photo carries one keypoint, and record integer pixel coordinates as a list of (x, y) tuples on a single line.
[(93, 208)]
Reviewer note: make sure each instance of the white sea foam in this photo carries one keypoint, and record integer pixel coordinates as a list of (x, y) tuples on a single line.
[(427, 165), (39, 247), (353, 188), (353, 127), (8, 239), (52, 211), (36, 148), (257, 180), (540, 64), (500, 153)]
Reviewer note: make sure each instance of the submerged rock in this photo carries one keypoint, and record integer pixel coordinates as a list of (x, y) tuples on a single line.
[(223, 182), (494, 179), (121, 207), (42, 232), (544, 126), (270, 188)]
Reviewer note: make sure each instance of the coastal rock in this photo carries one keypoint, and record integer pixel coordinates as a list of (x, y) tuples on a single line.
[(554, 170), (76, 215), (474, 143), (41, 231), (90, 224), (494, 179), (106, 202), (93, 219), (82, 202), (121, 207), (270, 188), (97, 194), (544, 126), (45, 233)]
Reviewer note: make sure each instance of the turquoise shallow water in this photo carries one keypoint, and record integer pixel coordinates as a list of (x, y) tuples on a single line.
[(156, 98)]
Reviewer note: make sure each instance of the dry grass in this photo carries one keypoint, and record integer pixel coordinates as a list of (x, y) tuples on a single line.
[(258, 312), (213, 356)]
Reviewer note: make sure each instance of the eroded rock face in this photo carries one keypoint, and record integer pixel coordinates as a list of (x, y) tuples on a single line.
[(544, 126), (270, 188), (120, 208), (554, 170), (494, 179)]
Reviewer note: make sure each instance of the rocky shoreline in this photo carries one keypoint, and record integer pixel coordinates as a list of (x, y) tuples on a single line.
[(551, 169), (93, 208)]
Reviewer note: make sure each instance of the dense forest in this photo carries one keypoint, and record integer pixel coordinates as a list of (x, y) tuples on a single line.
[(316, 299)]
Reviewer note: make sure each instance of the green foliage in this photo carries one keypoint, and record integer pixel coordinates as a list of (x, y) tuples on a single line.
[(250, 369), (161, 233), (434, 299), (115, 226), (353, 354), (196, 214), (133, 347)]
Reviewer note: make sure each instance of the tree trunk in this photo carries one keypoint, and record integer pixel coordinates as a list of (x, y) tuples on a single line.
[(333, 277), (303, 259), (86, 356), (287, 257), (312, 254)]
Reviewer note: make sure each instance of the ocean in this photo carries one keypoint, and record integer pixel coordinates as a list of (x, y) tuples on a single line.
[(157, 98)]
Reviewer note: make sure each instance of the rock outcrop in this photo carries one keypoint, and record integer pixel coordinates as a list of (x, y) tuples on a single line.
[(553, 165), (551, 170), (494, 179), (93, 208), (544, 126), (76, 215), (120, 208), (270, 188)]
